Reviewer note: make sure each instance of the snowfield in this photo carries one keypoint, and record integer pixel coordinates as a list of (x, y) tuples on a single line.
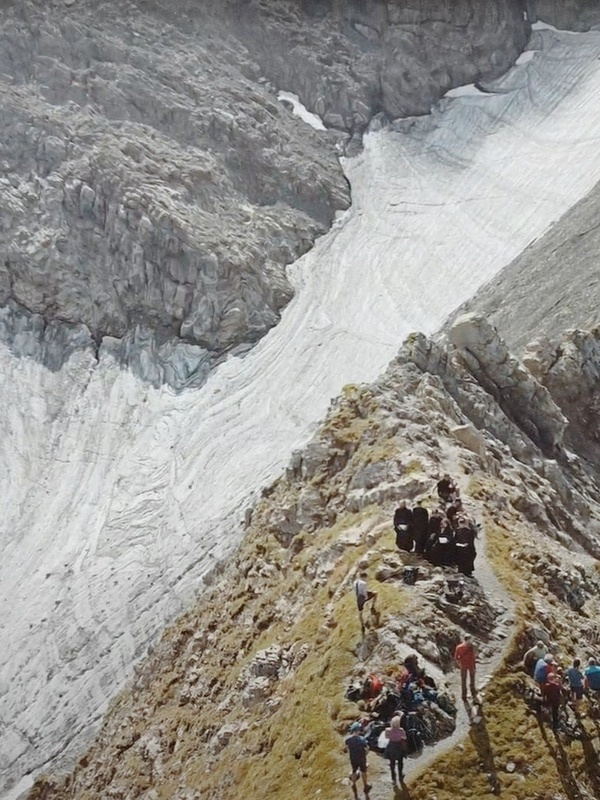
[(118, 497)]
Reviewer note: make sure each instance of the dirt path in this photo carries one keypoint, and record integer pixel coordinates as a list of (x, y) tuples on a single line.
[(490, 658)]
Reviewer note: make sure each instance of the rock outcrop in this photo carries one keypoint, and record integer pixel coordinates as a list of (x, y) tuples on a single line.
[(349, 60)]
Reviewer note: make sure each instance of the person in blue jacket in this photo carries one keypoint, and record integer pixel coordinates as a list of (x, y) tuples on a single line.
[(357, 747), (591, 676)]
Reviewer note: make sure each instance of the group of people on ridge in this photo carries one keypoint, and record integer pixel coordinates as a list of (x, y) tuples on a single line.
[(446, 537), (556, 684), (389, 727)]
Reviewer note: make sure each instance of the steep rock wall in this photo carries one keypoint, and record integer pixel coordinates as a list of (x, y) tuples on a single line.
[(576, 15), (153, 190), (552, 285), (146, 180), (349, 60)]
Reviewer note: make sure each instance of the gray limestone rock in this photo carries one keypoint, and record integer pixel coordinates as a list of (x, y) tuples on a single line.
[(553, 285), (576, 15), (153, 190), (148, 181), (518, 393)]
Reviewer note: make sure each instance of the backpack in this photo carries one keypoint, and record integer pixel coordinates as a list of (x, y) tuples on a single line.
[(414, 737)]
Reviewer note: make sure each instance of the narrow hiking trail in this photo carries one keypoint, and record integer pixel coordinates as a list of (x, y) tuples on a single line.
[(490, 658)]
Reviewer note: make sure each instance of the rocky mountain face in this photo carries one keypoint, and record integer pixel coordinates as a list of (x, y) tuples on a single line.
[(552, 285), (274, 636), (574, 15), (154, 190), (148, 180)]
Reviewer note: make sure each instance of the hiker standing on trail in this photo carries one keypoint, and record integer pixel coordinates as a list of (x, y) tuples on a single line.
[(420, 518), (454, 510), (464, 547), (403, 519), (465, 656), (363, 595), (533, 655), (357, 747), (575, 676), (435, 523), (395, 748), (551, 696), (592, 676), (544, 667)]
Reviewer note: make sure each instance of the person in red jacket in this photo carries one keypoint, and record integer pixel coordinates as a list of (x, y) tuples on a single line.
[(465, 656), (551, 696)]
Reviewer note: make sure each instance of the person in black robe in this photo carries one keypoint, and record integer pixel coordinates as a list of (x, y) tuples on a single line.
[(440, 547), (464, 546), (403, 519), (420, 527)]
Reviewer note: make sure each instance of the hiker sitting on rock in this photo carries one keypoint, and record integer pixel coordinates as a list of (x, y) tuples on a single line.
[(403, 519), (447, 489)]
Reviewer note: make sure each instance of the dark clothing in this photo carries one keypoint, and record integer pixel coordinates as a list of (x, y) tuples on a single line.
[(420, 527), (551, 694), (440, 549), (446, 490), (435, 524), (403, 516), (357, 748), (404, 540), (395, 751), (451, 513), (464, 549), (403, 528)]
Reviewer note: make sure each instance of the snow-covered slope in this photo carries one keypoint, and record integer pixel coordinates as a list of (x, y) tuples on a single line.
[(118, 497)]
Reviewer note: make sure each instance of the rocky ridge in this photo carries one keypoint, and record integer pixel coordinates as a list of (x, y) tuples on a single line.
[(275, 632), (154, 190)]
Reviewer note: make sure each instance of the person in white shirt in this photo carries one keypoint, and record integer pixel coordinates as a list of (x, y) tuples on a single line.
[(363, 595)]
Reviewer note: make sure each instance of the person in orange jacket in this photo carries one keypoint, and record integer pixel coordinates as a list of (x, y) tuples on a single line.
[(465, 656)]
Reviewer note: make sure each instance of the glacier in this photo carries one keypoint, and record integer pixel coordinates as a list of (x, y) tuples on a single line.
[(119, 497)]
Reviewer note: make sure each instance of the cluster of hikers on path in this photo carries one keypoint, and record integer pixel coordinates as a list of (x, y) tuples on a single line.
[(556, 686), (394, 722), (446, 537)]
